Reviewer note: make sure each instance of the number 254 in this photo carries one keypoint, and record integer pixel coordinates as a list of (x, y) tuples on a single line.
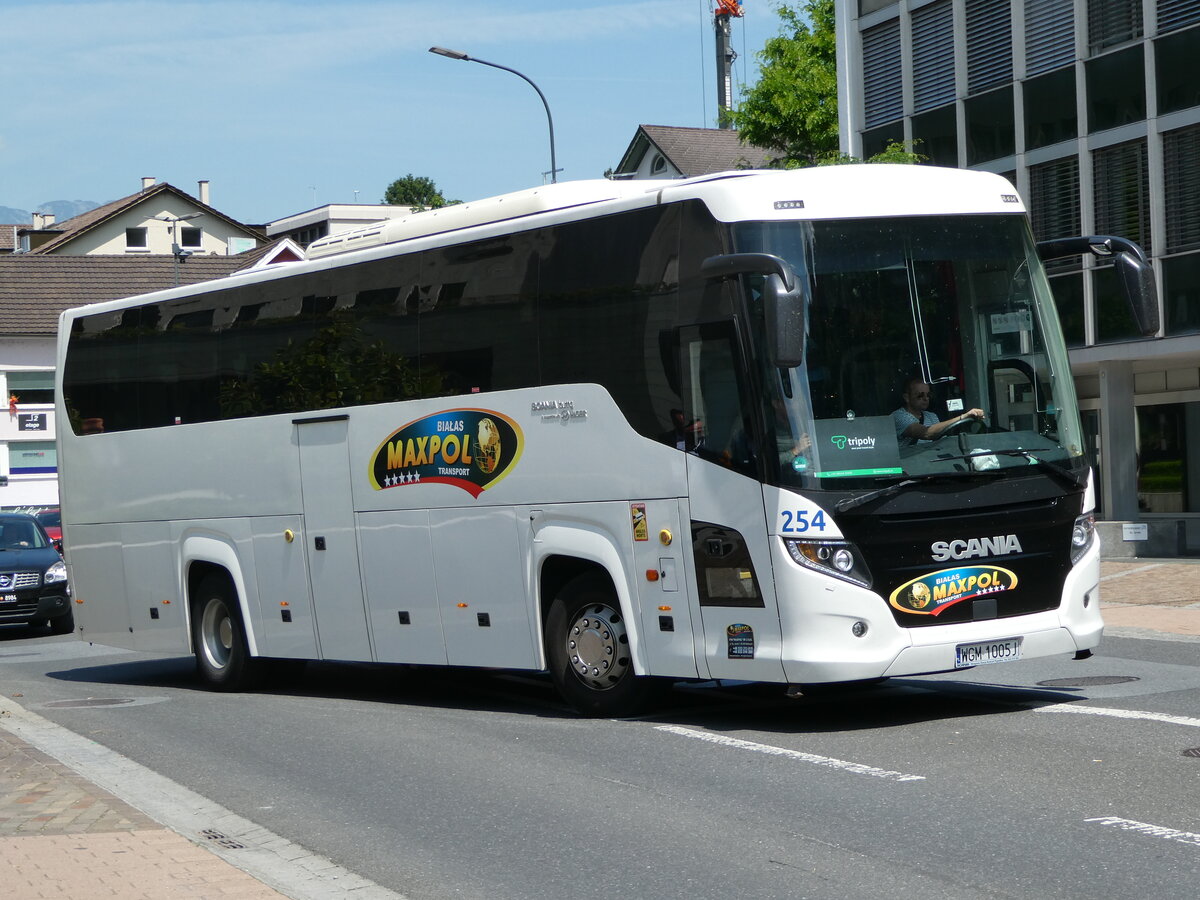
[(798, 522)]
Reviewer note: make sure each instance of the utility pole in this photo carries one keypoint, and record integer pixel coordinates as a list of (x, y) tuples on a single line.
[(726, 10)]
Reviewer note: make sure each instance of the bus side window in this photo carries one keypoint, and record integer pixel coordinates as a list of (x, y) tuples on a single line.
[(713, 393)]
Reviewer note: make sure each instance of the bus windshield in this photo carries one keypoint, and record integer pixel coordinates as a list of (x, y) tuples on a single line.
[(921, 319)]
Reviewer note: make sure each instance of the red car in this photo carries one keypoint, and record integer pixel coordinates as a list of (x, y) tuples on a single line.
[(51, 520)]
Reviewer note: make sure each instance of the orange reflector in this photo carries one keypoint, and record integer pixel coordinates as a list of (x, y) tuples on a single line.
[(284, 603), (166, 603), (664, 609), (462, 606), (652, 574)]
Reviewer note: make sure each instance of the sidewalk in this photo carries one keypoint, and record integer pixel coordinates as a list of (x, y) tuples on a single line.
[(1145, 596), (63, 837)]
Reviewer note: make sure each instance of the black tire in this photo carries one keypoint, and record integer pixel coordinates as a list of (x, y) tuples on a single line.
[(588, 650), (223, 659), (64, 624)]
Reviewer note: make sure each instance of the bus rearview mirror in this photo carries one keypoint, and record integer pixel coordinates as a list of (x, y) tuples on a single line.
[(1133, 269), (785, 300)]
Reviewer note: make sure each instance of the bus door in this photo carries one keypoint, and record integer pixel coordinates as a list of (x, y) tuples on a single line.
[(332, 542), (730, 551)]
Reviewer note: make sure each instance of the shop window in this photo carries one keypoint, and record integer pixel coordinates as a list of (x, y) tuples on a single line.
[(1121, 190), (1114, 319), (935, 136), (990, 130), (1175, 68), (878, 139), (1168, 480), (1068, 299), (1116, 87), (1050, 114), (1181, 293)]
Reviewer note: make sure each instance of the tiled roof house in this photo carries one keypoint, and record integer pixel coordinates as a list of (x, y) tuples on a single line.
[(149, 222), (665, 151)]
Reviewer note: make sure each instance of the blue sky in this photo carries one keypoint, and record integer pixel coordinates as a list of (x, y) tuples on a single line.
[(284, 105)]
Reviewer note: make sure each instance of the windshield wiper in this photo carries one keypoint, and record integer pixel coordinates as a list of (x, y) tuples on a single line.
[(891, 490), (1058, 472)]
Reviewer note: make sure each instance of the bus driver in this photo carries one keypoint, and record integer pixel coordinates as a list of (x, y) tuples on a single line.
[(914, 422)]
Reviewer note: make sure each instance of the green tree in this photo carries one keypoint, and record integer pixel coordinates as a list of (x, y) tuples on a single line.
[(793, 109), (416, 191), (336, 366)]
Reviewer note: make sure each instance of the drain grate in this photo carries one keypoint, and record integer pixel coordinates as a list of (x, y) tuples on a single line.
[(89, 702), (1193, 751), (1088, 681), (222, 840)]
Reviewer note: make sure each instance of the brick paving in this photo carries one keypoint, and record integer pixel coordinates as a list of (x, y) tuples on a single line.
[(1151, 595), (63, 837)]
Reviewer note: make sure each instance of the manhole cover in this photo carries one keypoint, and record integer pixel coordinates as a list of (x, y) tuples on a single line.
[(1088, 681), (91, 701)]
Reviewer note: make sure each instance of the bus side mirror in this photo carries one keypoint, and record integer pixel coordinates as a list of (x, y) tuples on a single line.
[(1133, 269), (785, 300)]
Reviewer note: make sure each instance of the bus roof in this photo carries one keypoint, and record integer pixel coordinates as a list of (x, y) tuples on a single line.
[(826, 192), (823, 192)]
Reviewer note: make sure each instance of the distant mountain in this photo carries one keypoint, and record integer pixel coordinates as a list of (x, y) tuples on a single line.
[(66, 209), (62, 209)]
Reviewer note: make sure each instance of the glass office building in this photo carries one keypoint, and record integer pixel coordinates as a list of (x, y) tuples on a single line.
[(1092, 109)]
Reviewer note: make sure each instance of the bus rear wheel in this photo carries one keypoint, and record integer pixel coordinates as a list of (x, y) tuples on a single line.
[(588, 649), (223, 659)]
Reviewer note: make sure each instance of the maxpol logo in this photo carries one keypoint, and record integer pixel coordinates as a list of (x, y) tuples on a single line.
[(469, 448), (931, 594)]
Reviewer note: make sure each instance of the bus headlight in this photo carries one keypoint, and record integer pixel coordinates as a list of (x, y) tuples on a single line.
[(56, 573), (1082, 535), (840, 559)]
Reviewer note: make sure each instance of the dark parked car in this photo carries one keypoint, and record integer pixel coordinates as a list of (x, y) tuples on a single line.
[(33, 578)]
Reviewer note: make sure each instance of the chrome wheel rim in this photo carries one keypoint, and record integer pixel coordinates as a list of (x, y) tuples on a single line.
[(598, 647), (216, 634)]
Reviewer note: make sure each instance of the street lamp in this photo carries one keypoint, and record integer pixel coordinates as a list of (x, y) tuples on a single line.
[(458, 54), (176, 249)]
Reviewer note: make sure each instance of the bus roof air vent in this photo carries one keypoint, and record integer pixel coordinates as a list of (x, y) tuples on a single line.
[(506, 207)]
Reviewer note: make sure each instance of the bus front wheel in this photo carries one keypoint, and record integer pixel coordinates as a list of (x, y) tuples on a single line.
[(588, 650), (223, 660)]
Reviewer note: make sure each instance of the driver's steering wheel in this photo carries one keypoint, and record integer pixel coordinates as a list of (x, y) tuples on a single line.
[(969, 425)]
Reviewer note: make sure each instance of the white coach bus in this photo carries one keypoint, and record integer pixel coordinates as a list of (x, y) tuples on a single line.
[(626, 432)]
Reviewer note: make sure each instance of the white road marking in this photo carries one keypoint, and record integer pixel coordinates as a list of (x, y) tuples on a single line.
[(1158, 831), (828, 761), (1123, 714), (1112, 575)]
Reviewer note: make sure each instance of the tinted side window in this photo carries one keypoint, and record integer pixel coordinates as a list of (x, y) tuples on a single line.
[(607, 303), (478, 316)]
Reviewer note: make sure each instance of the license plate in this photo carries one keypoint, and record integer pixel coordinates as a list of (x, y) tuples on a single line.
[(8, 598), (985, 652)]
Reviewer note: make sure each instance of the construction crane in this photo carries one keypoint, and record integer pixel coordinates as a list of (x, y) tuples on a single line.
[(723, 11)]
